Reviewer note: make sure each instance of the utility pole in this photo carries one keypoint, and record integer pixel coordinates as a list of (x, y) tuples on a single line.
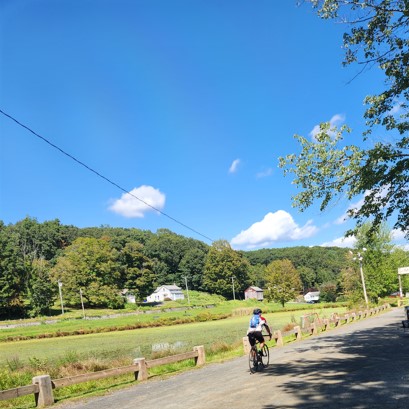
[(360, 259), (82, 304), (232, 282), (59, 290), (187, 291)]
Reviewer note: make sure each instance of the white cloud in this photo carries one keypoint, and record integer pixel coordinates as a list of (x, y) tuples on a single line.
[(275, 227), (234, 166), (336, 120), (265, 173), (341, 242), (129, 206), (397, 235), (398, 238)]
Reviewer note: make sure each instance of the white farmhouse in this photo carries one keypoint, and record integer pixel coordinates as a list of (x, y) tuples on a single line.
[(312, 296), (163, 292)]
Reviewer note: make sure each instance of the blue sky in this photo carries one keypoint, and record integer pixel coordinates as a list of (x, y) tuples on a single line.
[(187, 104)]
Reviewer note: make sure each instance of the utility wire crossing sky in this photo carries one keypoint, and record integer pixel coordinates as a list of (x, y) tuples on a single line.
[(186, 105)]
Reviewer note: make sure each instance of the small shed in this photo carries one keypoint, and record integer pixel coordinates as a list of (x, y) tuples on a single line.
[(254, 292), (166, 292)]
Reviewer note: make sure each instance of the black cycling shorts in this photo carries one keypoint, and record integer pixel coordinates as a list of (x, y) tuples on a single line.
[(255, 336)]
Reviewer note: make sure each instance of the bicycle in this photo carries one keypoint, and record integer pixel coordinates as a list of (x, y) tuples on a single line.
[(258, 361)]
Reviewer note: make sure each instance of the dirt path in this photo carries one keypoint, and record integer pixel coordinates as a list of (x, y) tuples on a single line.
[(359, 365)]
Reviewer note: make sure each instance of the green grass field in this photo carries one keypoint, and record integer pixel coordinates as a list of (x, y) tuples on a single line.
[(142, 342), (73, 322), (71, 355)]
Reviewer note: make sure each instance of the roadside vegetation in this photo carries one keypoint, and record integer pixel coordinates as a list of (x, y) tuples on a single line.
[(76, 354)]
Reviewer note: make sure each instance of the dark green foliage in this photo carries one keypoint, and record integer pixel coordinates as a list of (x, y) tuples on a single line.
[(224, 269), (328, 292), (12, 273), (283, 281), (316, 264), (42, 292), (33, 256), (137, 270), (176, 257)]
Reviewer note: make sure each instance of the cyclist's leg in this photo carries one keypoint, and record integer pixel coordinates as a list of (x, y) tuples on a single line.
[(253, 360), (259, 337), (265, 358)]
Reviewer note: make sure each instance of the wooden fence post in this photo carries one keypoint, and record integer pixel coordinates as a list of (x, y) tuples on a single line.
[(142, 373), (314, 329), (201, 357), (45, 395), (246, 345), (279, 338), (298, 333)]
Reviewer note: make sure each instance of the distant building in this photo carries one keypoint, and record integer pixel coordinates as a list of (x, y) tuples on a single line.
[(312, 296), (254, 292), (166, 292), (129, 296)]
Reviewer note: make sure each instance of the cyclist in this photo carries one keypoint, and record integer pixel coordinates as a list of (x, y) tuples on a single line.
[(254, 332)]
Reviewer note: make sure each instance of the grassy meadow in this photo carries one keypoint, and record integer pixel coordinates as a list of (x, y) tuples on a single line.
[(74, 354)]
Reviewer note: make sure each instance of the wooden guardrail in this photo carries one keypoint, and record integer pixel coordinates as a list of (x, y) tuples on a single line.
[(43, 385), (20, 391), (319, 326)]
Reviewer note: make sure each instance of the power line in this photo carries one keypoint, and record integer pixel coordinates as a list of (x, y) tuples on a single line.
[(101, 176)]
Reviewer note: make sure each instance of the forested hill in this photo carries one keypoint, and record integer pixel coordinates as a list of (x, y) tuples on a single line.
[(102, 261), (324, 262)]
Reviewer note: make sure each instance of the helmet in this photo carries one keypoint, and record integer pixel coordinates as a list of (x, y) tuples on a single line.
[(257, 311)]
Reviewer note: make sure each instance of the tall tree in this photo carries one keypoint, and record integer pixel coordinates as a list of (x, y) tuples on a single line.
[(257, 276), (283, 281), (307, 276), (12, 272), (192, 266), (42, 292), (138, 275), (380, 274), (166, 249), (328, 292), (327, 167), (92, 266), (225, 270)]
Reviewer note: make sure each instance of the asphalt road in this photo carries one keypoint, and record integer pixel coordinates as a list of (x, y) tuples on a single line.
[(362, 365)]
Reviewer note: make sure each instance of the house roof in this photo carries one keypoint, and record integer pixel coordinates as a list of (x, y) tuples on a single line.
[(171, 288), (254, 288), (314, 293)]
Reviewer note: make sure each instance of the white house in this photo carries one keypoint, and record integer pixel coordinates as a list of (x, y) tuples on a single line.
[(171, 292), (312, 296)]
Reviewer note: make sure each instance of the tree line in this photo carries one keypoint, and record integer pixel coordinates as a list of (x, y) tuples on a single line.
[(95, 265)]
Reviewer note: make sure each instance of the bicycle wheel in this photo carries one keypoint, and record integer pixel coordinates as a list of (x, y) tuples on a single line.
[(265, 358), (253, 360)]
